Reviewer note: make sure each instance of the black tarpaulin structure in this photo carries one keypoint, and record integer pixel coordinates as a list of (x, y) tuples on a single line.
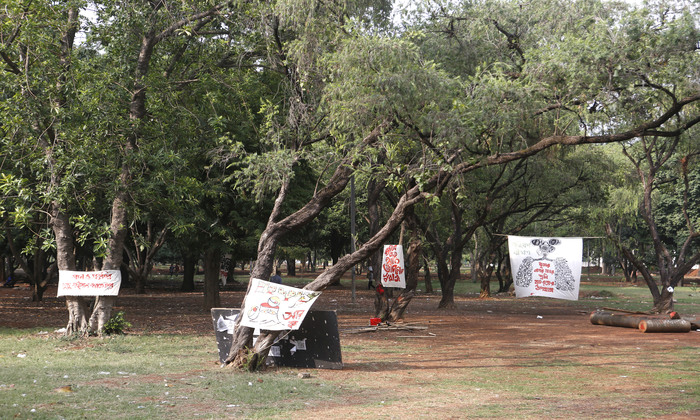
[(316, 344)]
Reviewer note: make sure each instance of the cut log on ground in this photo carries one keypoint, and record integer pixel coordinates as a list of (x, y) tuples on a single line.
[(387, 327), (616, 320), (694, 322), (664, 325), (629, 319)]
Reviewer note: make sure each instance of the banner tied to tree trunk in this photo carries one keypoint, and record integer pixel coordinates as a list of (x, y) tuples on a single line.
[(89, 283), (393, 273), (546, 266), (272, 306)]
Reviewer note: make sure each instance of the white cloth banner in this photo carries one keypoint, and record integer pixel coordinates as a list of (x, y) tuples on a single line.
[(546, 266), (271, 306), (393, 273), (89, 283)]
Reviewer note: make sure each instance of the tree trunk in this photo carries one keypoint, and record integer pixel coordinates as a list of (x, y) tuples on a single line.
[(102, 309), (291, 267), (374, 190), (448, 298), (337, 243), (189, 262), (241, 353), (448, 288), (101, 313), (485, 281), (141, 258), (65, 258), (427, 278), (3, 272), (42, 283), (212, 261), (77, 315), (400, 304), (505, 277), (139, 282), (664, 303)]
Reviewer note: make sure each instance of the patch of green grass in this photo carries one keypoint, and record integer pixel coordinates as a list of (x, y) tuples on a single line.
[(535, 387), (159, 376)]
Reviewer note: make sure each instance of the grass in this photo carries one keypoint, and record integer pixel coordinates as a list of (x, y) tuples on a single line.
[(580, 385), (149, 376)]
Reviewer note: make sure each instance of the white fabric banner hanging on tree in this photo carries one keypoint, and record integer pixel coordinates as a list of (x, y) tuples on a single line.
[(89, 283), (271, 306), (548, 267), (393, 273)]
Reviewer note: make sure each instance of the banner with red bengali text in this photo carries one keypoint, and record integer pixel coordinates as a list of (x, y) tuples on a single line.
[(272, 306), (544, 266), (393, 273), (89, 283)]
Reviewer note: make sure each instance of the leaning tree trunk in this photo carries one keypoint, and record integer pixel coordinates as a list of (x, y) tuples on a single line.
[(242, 353)]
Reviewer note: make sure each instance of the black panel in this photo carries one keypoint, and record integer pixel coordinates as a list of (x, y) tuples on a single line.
[(316, 344)]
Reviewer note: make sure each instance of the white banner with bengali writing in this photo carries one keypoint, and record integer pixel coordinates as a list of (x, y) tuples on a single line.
[(393, 273), (548, 267), (89, 283), (272, 306)]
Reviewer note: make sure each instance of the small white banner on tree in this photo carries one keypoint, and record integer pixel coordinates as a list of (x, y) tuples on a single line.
[(393, 273), (271, 306), (546, 266), (89, 283)]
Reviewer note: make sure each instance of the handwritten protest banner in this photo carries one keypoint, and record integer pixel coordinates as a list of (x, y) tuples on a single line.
[(546, 266), (393, 273), (272, 306), (89, 283)]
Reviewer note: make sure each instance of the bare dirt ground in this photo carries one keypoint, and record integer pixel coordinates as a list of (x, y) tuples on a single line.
[(500, 333)]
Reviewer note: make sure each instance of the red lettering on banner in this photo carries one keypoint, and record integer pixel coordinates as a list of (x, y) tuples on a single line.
[(293, 315)]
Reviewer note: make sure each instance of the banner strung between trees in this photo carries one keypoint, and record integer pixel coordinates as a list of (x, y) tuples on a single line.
[(546, 266), (393, 273), (89, 283), (271, 306)]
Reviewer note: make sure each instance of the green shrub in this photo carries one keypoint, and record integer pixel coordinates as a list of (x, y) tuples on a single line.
[(116, 324)]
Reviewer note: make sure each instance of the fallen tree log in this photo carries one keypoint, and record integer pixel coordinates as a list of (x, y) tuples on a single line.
[(615, 320), (664, 325), (628, 319), (694, 322)]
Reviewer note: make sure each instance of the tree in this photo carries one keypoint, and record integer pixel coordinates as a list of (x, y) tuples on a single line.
[(664, 161), (464, 127), (669, 216), (57, 88)]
